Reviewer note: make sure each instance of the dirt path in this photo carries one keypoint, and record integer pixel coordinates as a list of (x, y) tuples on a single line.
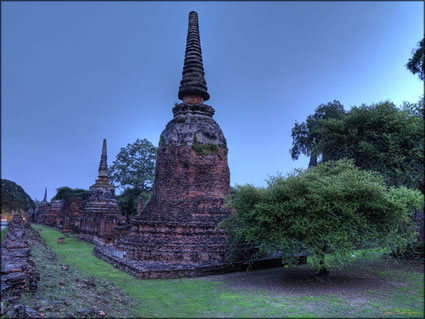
[(65, 292)]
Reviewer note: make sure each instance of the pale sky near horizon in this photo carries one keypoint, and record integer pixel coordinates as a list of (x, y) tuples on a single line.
[(74, 73)]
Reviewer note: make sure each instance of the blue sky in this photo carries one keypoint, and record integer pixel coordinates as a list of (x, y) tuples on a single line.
[(74, 73)]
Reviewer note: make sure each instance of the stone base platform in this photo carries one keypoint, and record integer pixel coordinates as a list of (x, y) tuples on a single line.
[(157, 270)]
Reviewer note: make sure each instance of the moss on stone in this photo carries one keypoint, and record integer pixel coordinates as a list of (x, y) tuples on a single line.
[(180, 119), (206, 149)]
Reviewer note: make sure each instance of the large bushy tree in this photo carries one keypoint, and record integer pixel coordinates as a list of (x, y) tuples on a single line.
[(133, 171), (334, 207), (379, 137), (134, 166), (307, 136), (14, 198), (416, 63)]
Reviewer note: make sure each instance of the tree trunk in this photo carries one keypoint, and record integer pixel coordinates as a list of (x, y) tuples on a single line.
[(313, 161), (322, 269)]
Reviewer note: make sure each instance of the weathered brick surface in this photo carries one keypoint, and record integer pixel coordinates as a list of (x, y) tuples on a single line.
[(69, 220), (168, 242), (101, 213), (54, 212), (145, 269), (17, 268), (41, 212), (189, 187)]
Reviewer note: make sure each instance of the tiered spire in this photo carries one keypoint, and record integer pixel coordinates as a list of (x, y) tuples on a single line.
[(45, 195), (193, 82), (103, 166)]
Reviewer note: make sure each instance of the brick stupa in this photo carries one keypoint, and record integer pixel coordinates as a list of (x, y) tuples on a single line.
[(42, 210), (175, 235), (101, 212)]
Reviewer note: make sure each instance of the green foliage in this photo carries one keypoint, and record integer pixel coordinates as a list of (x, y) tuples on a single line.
[(67, 193), (3, 233), (379, 137), (206, 149), (14, 198), (333, 207), (134, 166), (181, 120), (416, 63), (307, 135), (129, 200)]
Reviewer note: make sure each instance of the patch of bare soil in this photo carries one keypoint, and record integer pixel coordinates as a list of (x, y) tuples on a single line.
[(351, 281)]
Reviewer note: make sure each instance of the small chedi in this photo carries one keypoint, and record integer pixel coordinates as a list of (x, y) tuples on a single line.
[(101, 212), (42, 210), (175, 235)]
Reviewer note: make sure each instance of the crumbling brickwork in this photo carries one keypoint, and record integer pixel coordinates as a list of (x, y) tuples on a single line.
[(17, 267), (41, 212), (54, 212), (69, 219), (101, 213)]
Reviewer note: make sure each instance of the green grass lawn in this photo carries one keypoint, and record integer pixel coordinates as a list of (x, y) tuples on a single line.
[(208, 298), (3, 233)]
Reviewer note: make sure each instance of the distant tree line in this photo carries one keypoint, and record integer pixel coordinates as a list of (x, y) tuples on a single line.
[(14, 198)]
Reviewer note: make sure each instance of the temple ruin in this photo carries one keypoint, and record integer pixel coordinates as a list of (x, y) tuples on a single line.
[(42, 210), (175, 235), (101, 212)]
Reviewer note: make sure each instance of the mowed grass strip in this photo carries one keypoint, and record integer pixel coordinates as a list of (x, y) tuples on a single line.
[(166, 297)]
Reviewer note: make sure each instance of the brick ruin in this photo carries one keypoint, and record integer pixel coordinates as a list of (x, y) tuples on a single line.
[(101, 212), (41, 210), (175, 235), (17, 268), (94, 220), (69, 218), (54, 213)]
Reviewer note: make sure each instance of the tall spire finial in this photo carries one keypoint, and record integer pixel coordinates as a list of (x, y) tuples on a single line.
[(193, 84), (103, 166), (45, 195)]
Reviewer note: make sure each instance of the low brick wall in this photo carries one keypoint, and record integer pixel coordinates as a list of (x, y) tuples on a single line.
[(17, 267), (155, 270)]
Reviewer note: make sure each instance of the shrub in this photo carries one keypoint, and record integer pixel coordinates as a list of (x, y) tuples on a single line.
[(330, 208)]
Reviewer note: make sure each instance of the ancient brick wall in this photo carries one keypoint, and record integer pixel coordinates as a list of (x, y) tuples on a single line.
[(17, 268), (174, 243), (54, 212), (41, 212), (189, 187), (72, 211)]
